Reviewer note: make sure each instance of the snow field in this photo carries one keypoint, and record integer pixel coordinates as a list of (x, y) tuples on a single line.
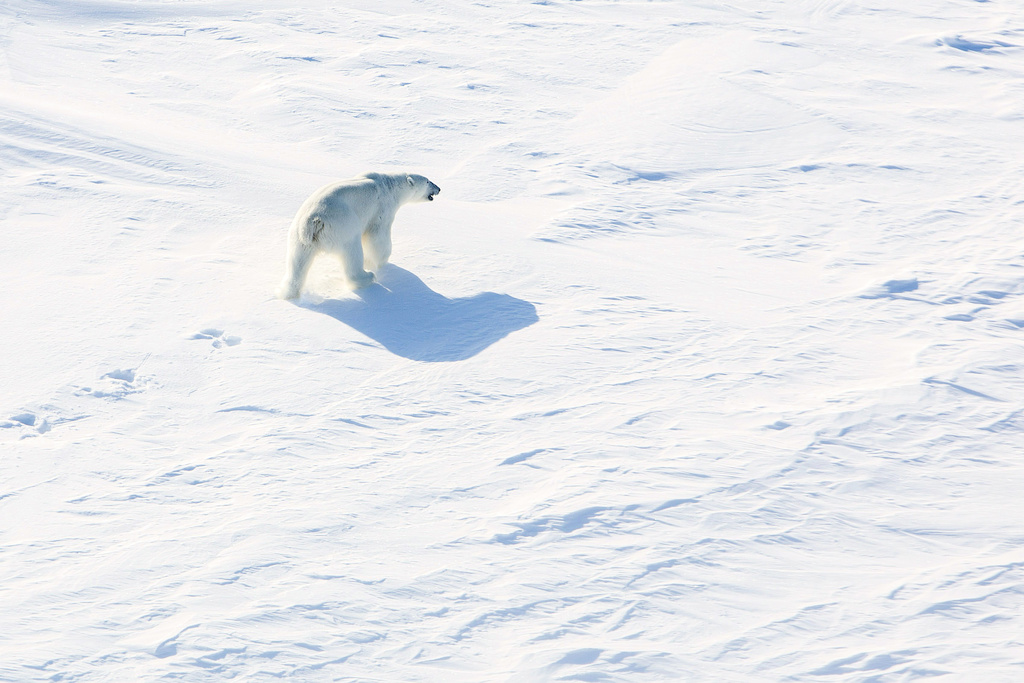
[(704, 366)]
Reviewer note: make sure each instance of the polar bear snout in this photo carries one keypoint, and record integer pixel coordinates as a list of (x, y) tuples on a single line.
[(432, 190)]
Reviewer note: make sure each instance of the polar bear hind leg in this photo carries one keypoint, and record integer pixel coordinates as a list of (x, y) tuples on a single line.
[(300, 257)]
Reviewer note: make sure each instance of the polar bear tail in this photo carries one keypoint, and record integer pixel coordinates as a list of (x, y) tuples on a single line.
[(310, 229)]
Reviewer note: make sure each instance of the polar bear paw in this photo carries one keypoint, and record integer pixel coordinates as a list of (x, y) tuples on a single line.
[(288, 291), (360, 280)]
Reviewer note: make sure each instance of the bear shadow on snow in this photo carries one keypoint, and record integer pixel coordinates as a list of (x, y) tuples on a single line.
[(411, 320)]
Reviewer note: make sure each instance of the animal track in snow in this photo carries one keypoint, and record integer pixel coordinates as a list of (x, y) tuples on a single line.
[(26, 419), (23, 420), (116, 384), (218, 337)]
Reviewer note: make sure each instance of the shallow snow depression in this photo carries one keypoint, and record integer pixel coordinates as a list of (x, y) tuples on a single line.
[(706, 366)]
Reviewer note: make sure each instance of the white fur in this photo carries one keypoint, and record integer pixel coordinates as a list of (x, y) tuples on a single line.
[(352, 219)]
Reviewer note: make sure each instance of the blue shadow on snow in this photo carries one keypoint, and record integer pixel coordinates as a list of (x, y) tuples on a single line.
[(413, 321)]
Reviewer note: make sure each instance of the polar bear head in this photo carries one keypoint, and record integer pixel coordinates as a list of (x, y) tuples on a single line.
[(421, 189)]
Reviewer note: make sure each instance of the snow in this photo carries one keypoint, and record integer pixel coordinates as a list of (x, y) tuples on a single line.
[(705, 365)]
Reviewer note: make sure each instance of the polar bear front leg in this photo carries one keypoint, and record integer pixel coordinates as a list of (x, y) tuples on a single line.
[(352, 263), (377, 247)]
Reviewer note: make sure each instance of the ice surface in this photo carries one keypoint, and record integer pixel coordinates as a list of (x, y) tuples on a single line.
[(706, 366)]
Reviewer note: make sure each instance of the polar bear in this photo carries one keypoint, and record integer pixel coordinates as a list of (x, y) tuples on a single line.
[(351, 218)]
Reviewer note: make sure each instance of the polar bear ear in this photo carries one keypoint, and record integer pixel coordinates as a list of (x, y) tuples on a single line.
[(412, 182)]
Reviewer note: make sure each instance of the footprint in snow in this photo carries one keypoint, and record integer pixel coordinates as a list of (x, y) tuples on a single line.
[(116, 384), (23, 420), (218, 337), (26, 420)]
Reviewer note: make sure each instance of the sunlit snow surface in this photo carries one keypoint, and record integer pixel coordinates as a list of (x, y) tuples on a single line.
[(706, 364)]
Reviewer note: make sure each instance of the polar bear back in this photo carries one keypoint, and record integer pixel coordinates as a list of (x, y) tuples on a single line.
[(358, 199)]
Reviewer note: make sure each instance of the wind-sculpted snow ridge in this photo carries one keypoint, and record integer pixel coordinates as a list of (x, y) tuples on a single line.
[(705, 366)]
